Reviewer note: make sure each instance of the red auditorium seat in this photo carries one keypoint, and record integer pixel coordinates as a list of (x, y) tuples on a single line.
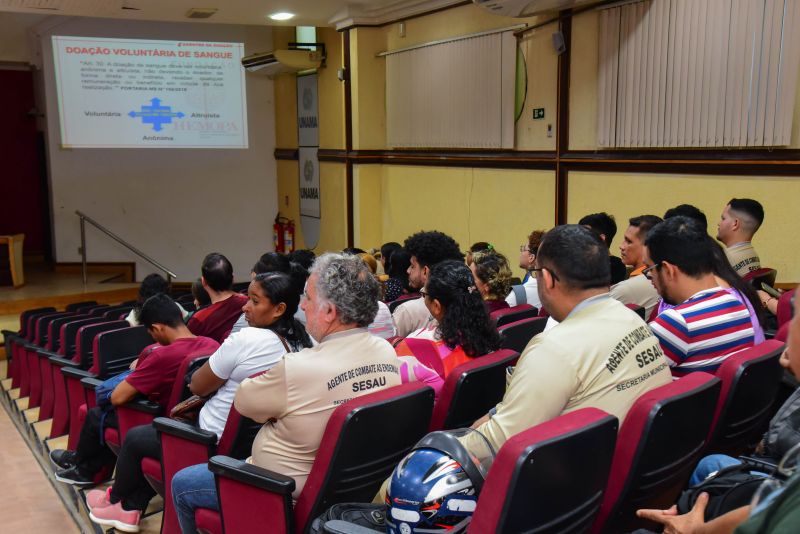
[(471, 390), (764, 274), (363, 442), (402, 299), (512, 314), (516, 336), (13, 340), (661, 439), (638, 309), (750, 382), (549, 478), (785, 307)]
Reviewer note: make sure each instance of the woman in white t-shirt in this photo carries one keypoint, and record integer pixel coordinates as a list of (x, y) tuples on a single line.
[(272, 300)]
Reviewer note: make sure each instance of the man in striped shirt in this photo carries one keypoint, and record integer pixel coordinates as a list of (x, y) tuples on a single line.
[(707, 324)]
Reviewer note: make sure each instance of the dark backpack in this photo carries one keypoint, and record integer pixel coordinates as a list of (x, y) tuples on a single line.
[(372, 516), (728, 489)]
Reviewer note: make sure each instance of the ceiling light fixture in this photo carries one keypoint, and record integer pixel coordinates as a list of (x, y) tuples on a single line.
[(281, 16)]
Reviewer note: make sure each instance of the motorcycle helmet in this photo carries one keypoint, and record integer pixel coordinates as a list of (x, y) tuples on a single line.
[(435, 487)]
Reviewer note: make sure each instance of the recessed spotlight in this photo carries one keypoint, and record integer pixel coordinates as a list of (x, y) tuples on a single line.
[(281, 16)]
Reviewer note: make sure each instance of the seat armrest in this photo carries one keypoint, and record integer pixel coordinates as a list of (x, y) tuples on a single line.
[(47, 353), (62, 362), (32, 347), (78, 374), (90, 382), (185, 431), (251, 474), (337, 526), (144, 406)]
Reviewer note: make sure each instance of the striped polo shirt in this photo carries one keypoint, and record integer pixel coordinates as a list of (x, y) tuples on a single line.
[(700, 333)]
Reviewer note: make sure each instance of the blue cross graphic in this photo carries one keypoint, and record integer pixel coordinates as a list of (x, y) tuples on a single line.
[(156, 114)]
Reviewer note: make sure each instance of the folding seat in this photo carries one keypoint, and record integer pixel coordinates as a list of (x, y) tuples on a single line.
[(549, 478), (513, 314), (471, 390), (516, 336), (364, 440), (402, 299), (115, 313), (184, 299), (750, 382), (784, 314), (80, 306), (139, 412), (763, 275), (98, 310), (14, 340), (241, 287), (638, 309), (30, 356), (21, 367), (661, 439)]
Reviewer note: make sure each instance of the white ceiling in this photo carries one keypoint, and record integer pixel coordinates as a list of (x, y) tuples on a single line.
[(251, 12)]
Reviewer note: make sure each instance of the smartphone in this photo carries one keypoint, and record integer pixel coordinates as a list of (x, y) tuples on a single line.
[(771, 291)]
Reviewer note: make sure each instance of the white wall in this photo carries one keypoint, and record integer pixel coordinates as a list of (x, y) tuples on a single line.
[(175, 205)]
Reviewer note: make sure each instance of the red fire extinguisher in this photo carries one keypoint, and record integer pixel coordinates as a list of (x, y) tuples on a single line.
[(283, 234)]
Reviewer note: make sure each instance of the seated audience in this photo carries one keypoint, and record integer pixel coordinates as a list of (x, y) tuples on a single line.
[(383, 325), (480, 246), (527, 256), (740, 220), (600, 355), (296, 397), (270, 262), (777, 511), (216, 320), (637, 289), (387, 249), (153, 375), (707, 323), (605, 226), (397, 268), (687, 210), (492, 278), (272, 331), (153, 284), (463, 329), (303, 256), (426, 250), (201, 297)]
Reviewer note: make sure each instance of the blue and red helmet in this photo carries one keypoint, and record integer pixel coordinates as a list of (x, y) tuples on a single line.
[(435, 487)]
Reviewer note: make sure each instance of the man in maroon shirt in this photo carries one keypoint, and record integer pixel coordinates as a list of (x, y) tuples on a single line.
[(153, 376), (216, 320)]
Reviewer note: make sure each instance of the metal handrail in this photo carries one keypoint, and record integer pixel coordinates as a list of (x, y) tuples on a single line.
[(118, 239)]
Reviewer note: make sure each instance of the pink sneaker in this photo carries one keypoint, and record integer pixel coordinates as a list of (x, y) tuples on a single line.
[(114, 516), (98, 498)]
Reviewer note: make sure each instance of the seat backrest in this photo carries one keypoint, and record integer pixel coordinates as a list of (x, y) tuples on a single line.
[(54, 330), (25, 318), (180, 389), (750, 381), (516, 336), (471, 390), (84, 344), (77, 306), (549, 478), (661, 439), (364, 440), (638, 309), (98, 310), (764, 274), (785, 307), (401, 300), (43, 326), (114, 350), (513, 314), (69, 333), (115, 312)]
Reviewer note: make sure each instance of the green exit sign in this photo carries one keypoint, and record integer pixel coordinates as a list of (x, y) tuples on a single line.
[(538, 113)]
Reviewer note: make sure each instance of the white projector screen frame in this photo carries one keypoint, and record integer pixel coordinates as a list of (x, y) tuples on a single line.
[(137, 93)]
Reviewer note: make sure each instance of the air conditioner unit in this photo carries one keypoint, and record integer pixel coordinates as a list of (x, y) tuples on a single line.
[(280, 61), (527, 8)]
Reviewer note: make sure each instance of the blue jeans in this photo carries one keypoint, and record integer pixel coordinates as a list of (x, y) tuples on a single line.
[(193, 488), (711, 464)]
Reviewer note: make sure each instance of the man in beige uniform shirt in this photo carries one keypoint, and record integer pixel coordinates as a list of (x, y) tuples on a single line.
[(601, 354), (739, 222), (297, 396), (637, 289), (426, 250)]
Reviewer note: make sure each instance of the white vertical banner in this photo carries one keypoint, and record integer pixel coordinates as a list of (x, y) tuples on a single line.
[(307, 160)]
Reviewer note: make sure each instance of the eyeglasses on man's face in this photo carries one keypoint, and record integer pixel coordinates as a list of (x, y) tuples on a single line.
[(540, 269), (648, 272)]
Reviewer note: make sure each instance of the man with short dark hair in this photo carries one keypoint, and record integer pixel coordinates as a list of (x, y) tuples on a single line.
[(153, 376), (605, 227), (426, 250), (637, 289), (688, 210), (707, 324), (740, 220), (216, 321), (600, 355)]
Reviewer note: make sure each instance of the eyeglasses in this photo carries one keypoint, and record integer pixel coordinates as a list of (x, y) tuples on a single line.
[(647, 274), (524, 248), (540, 269), (423, 293)]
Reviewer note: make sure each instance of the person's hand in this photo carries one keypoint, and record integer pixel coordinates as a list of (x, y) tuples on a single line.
[(480, 421), (784, 361), (679, 524), (132, 366)]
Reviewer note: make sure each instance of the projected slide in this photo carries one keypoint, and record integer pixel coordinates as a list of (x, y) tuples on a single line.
[(124, 93)]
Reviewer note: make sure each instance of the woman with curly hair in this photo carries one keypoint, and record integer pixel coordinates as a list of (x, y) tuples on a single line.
[(492, 278), (464, 329)]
